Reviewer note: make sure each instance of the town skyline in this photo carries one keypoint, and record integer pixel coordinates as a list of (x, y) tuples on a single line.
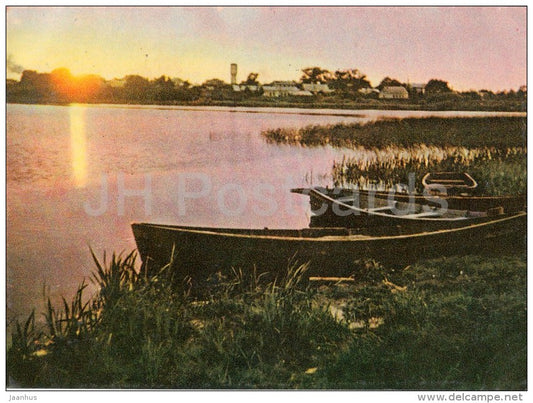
[(476, 47), (304, 78)]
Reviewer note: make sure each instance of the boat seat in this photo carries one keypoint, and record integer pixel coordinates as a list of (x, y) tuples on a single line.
[(346, 199), (378, 209), (424, 214), (446, 181)]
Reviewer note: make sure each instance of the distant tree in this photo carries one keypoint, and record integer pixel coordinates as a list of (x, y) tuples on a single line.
[(349, 81), (522, 92), (162, 89), (473, 95), (184, 91), (487, 94), (315, 75), (34, 86), (136, 88), (214, 82), (251, 79), (389, 82), (435, 86), (216, 89)]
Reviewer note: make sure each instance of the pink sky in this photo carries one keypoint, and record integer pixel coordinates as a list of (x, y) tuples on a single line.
[(470, 47)]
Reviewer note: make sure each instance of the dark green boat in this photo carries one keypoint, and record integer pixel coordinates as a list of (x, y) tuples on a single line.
[(199, 252)]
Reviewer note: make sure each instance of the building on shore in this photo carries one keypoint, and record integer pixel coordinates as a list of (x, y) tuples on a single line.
[(245, 87), (317, 88), (284, 88), (368, 91), (396, 92), (418, 88)]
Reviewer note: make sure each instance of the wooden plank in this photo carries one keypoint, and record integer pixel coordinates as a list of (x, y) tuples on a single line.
[(373, 210), (425, 214), (334, 279)]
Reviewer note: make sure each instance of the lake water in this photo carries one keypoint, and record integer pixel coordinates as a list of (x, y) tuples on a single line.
[(78, 176)]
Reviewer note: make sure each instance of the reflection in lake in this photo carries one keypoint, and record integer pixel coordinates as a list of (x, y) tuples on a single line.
[(78, 145)]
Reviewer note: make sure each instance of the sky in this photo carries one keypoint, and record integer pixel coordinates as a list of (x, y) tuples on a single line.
[(470, 47)]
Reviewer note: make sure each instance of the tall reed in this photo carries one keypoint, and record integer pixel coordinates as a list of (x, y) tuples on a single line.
[(470, 132), (497, 171)]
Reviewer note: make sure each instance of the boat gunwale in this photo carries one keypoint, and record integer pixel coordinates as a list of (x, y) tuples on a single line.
[(426, 197), (328, 238), (318, 194), (473, 183)]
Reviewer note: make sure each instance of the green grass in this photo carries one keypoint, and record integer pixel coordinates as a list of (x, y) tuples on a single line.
[(448, 323), (460, 324)]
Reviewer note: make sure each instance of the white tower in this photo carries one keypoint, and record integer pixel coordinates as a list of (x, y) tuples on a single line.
[(233, 71)]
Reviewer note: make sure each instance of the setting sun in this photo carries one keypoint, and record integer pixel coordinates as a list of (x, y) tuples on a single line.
[(75, 88)]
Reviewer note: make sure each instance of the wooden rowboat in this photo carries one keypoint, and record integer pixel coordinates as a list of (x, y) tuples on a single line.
[(199, 252), (509, 203), (389, 217), (448, 183)]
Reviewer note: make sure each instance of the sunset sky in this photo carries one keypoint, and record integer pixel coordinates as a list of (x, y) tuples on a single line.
[(470, 47)]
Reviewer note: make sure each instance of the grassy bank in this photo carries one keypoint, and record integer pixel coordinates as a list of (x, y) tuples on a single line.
[(456, 323)]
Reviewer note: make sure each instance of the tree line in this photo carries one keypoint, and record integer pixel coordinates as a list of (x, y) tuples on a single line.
[(60, 86)]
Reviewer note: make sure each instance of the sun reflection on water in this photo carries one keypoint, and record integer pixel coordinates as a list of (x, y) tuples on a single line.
[(78, 145)]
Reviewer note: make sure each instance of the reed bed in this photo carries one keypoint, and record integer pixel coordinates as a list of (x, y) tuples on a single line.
[(467, 313), (497, 171), (471, 132), (383, 154)]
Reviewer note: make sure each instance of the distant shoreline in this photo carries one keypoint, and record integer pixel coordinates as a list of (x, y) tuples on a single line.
[(486, 106)]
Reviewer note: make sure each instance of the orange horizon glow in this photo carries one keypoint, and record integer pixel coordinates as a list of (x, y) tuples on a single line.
[(77, 88)]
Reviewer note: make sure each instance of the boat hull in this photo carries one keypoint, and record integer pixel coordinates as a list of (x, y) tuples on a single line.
[(386, 217), (200, 252), (509, 203), (449, 183)]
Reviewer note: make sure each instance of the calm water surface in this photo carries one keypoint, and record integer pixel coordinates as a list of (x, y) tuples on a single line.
[(78, 176)]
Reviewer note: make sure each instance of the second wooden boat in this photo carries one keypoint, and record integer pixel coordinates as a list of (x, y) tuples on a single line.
[(509, 203), (449, 183), (373, 215)]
